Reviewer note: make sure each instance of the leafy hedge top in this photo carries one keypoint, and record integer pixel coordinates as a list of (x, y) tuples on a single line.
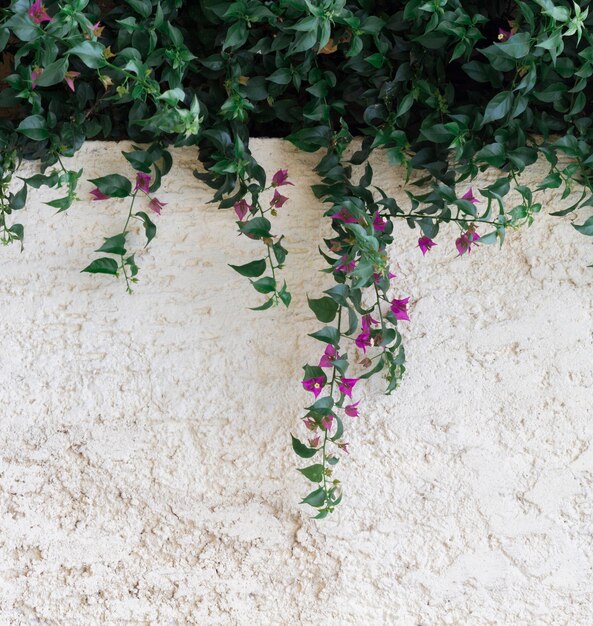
[(446, 88)]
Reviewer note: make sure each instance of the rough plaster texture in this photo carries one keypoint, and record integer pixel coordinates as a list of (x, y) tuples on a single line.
[(145, 476)]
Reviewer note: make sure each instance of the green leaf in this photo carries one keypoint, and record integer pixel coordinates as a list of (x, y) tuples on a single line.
[(282, 76), (149, 226), (104, 265), (328, 334), (53, 73), (252, 269), (113, 185), (325, 308), (264, 285), (61, 203), (498, 107), (262, 307), (314, 472), (301, 449), (38, 180), (517, 46), (34, 127), (17, 201), (143, 7), (586, 228), (322, 405), (279, 251), (236, 35), (140, 160), (256, 227), (90, 53), (285, 295), (114, 245), (315, 498)]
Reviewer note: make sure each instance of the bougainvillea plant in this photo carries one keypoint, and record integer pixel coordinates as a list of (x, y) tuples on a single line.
[(447, 89)]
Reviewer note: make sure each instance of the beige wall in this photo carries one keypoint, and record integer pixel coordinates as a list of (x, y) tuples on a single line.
[(145, 472)]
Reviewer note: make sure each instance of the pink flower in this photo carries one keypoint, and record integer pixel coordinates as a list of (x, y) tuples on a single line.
[(504, 35), (346, 266), (314, 385), (38, 13), (346, 385), (35, 74), (142, 182), (469, 195), (98, 194), (241, 208), (310, 423), (329, 356), (280, 178), (368, 321), (343, 216), (344, 446), (363, 341), (400, 309), (69, 78), (425, 244), (377, 277), (464, 243), (351, 410), (97, 29), (327, 421), (278, 200), (379, 222), (314, 441), (156, 205)]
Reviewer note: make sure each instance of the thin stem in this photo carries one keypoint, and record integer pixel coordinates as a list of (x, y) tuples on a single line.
[(123, 265), (331, 393)]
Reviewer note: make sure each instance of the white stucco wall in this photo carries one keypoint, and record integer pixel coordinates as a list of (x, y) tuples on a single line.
[(145, 469)]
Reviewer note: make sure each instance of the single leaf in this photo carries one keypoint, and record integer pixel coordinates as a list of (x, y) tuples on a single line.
[(252, 269), (114, 245), (328, 334), (34, 127), (104, 265), (301, 449), (264, 285), (315, 498), (113, 185), (325, 308), (314, 472), (586, 228), (498, 107), (149, 226)]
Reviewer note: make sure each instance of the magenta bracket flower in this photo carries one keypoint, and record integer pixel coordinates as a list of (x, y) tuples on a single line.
[(69, 78), (351, 410), (343, 216), (242, 208), (469, 195), (280, 178), (425, 244), (379, 222), (98, 194), (314, 385), (142, 182), (156, 205), (466, 240), (399, 308), (278, 200), (346, 385), (38, 13)]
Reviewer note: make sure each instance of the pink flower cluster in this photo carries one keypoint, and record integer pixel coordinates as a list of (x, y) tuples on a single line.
[(142, 184), (279, 179)]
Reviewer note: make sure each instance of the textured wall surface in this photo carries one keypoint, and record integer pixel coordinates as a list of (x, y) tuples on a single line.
[(145, 472)]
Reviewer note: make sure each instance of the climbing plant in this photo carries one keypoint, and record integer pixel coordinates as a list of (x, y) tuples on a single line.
[(446, 89)]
